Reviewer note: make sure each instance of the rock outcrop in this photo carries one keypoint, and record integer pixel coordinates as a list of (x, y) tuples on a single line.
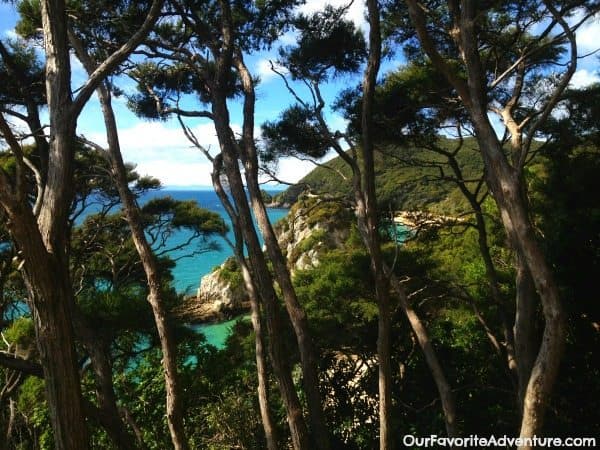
[(312, 227), (221, 295)]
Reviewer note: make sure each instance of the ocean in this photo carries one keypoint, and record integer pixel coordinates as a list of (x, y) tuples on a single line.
[(189, 270)]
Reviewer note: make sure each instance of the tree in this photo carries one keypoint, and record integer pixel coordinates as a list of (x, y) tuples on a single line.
[(222, 33), (470, 26), (41, 234), (414, 105), (110, 285), (302, 130)]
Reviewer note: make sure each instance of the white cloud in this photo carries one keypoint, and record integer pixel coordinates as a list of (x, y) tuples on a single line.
[(164, 152), (583, 78), (291, 170), (587, 35), (177, 173), (356, 12), (263, 69)]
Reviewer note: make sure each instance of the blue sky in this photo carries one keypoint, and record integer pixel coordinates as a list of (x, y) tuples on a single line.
[(161, 150)]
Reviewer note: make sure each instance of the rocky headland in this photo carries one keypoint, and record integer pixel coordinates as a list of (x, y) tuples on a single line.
[(313, 226)]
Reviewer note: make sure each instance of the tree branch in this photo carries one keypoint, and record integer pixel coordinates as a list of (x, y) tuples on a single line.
[(115, 59)]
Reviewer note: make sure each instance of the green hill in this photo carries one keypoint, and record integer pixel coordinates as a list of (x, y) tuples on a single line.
[(407, 178)]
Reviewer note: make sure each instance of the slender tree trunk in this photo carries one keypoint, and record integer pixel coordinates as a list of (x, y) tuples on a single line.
[(259, 341), (371, 234), (174, 403), (504, 182), (435, 368), (108, 410), (231, 160), (526, 344), (505, 185), (308, 357), (507, 193), (44, 244), (297, 317), (46, 264), (492, 277), (490, 269), (264, 282), (261, 362)]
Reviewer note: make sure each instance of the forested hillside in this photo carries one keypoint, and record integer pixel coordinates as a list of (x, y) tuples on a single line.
[(478, 322), (407, 178)]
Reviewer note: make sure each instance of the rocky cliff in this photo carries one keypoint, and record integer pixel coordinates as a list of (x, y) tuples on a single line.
[(221, 295), (312, 227)]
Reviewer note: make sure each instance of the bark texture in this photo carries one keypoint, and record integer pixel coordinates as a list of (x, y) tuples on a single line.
[(504, 182), (368, 214), (234, 153), (174, 403), (253, 294), (264, 282)]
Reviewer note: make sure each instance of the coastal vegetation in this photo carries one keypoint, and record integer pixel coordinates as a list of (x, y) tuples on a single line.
[(436, 277)]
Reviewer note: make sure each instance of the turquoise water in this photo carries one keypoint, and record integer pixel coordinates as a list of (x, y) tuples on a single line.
[(217, 333), (189, 270)]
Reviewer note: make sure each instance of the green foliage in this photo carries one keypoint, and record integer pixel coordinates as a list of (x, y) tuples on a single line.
[(230, 273), (22, 61), (336, 297), (410, 105), (266, 197), (21, 333), (329, 45), (326, 212), (295, 133), (568, 207), (183, 214), (407, 178)]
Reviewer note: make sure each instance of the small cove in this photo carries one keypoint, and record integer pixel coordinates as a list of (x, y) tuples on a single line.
[(189, 270)]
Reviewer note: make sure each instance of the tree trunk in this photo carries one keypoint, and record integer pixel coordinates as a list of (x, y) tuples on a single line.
[(51, 296), (229, 158), (264, 282), (369, 217), (526, 344), (435, 368), (297, 317), (174, 404), (97, 351), (507, 193), (505, 185), (504, 182), (484, 250), (308, 357), (259, 342), (492, 277), (261, 362), (44, 245), (246, 152)]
